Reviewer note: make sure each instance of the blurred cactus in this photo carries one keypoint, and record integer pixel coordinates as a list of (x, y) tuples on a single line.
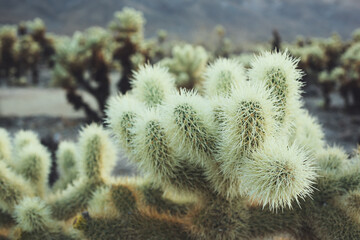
[(244, 58), (350, 84), (37, 30), (83, 62), (127, 29), (7, 42), (161, 35), (187, 65), (224, 44), (332, 64), (24, 49), (356, 35), (327, 86)]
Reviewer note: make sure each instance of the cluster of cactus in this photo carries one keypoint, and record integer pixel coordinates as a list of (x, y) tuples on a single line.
[(238, 160), (131, 49), (333, 64), (22, 49), (29, 207), (82, 62), (86, 60)]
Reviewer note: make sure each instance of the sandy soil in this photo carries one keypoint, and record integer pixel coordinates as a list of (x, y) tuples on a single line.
[(25, 102)]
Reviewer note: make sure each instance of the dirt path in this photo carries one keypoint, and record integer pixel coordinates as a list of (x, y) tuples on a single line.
[(24, 102)]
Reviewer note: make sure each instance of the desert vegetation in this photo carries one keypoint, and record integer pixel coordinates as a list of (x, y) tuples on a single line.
[(221, 137)]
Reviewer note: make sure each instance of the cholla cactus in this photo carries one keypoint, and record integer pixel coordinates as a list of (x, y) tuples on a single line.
[(36, 27), (67, 162), (327, 84), (308, 132), (27, 53), (223, 172), (257, 162), (37, 30), (331, 81), (222, 76), (350, 85), (5, 146), (177, 142), (34, 221), (356, 35), (128, 21), (278, 72), (273, 179), (84, 61), (312, 57), (244, 58), (23, 48), (223, 44), (243, 156), (187, 65), (7, 42), (333, 64), (128, 24), (152, 84), (127, 28), (26, 194)]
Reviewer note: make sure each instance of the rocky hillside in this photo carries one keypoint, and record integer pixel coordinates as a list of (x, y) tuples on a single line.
[(195, 19)]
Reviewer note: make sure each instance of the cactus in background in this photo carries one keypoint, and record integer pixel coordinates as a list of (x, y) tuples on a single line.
[(223, 45), (37, 30), (239, 162), (331, 81), (7, 42), (187, 65), (244, 58), (83, 61), (86, 60), (28, 55), (327, 86), (127, 29), (350, 89), (23, 48), (333, 65)]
